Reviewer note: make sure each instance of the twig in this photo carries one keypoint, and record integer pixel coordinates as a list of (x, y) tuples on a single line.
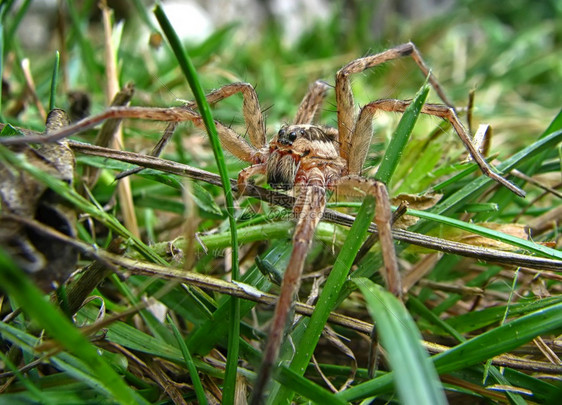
[(272, 197), (286, 201), (250, 293)]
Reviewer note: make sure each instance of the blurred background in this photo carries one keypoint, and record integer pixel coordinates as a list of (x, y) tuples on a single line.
[(508, 52)]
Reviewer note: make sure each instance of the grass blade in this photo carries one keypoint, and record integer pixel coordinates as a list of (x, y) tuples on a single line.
[(474, 320), (307, 388), (34, 392), (68, 364), (32, 301), (191, 75), (197, 386), (401, 135), (414, 375), (54, 81), (501, 339), (531, 246), (431, 317)]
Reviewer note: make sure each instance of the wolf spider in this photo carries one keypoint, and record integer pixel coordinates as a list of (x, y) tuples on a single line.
[(311, 159)]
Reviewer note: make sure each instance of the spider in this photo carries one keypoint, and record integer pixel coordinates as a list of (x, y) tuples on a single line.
[(311, 159)]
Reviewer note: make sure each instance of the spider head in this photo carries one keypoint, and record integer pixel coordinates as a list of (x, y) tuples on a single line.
[(284, 160), (287, 135), (295, 146), (290, 134)]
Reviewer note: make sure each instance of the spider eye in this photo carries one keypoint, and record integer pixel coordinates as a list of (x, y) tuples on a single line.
[(302, 132), (292, 136), (281, 133)]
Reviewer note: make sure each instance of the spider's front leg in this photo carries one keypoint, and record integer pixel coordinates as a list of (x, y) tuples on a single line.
[(254, 151), (347, 114), (308, 211)]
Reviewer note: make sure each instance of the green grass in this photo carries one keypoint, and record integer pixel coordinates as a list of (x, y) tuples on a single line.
[(191, 337)]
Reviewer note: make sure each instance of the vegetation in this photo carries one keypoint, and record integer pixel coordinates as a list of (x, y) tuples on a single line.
[(153, 316)]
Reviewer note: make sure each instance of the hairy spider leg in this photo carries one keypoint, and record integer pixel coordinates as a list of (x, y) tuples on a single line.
[(364, 124), (347, 113)]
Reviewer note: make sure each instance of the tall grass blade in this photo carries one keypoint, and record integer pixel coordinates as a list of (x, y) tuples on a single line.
[(54, 81), (415, 377), (401, 136), (195, 380), (191, 75)]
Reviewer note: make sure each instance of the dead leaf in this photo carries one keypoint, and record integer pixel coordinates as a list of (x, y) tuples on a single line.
[(518, 230), (48, 261), (458, 235), (415, 202)]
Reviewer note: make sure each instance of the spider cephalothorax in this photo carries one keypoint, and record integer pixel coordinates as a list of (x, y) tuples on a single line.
[(296, 149)]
